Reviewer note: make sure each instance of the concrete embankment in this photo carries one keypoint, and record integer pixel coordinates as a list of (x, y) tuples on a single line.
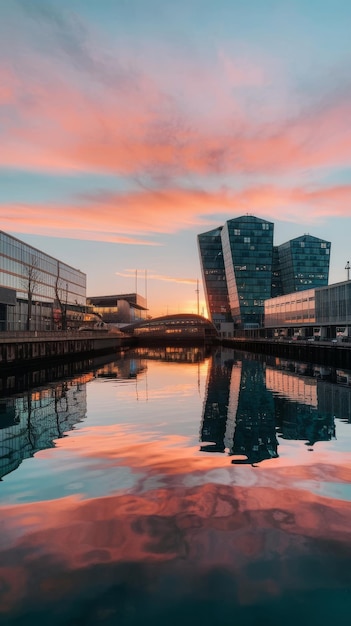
[(31, 349), (25, 349), (322, 352)]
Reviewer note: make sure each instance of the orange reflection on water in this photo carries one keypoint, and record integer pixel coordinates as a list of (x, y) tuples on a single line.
[(205, 526), (170, 455), (184, 507)]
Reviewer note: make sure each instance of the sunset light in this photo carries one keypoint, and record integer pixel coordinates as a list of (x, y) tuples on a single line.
[(130, 127)]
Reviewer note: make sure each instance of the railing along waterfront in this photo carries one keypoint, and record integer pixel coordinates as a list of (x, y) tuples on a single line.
[(19, 335)]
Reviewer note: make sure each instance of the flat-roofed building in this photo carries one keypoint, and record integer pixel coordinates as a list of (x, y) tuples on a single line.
[(125, 308), (324, 312), (37, 291)]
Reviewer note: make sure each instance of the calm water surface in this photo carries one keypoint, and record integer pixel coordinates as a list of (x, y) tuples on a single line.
[(172, 487)]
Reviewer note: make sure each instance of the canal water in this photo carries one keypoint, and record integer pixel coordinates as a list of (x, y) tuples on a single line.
[(174, 486)]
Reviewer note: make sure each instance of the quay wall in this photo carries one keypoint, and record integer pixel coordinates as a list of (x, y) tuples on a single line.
[(319, 352), (29, 349), (22, 349)]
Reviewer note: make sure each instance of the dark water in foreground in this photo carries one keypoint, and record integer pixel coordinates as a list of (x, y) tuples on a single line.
[(177, 488)]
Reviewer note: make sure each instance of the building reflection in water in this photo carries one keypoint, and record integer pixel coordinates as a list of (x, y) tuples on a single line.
[(301, 413), (174, 354), (35, 410), (255, 433), (238, 416), (217, 415), (124, 369), (33, 420), (250, 403)]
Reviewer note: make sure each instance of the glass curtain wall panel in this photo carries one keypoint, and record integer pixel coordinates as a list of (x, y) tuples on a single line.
[(304, 263), (213, 275), (248, 254)]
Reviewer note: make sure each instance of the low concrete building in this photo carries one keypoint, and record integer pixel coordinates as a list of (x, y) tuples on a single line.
[(119, 309), (324, 312)]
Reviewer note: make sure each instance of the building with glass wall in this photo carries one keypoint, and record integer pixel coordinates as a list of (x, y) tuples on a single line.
[(37, 291), (324, 312), (247, 244), (241, 269), (293, 309), (214, 276), (302, 263), (119, 309)]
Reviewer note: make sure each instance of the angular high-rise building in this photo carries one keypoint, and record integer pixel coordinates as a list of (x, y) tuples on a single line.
[(241, 268), (213, 275), (247, 244), (303, 264)]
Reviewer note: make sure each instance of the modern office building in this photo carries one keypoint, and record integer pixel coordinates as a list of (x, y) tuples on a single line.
[(302, 263), (37, 291), (214, 276), (247, 244), (119, 309), (323, 313), (241, 269)]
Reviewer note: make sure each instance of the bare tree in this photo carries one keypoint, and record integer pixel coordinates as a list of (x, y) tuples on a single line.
[(30, 282), (61, 293)]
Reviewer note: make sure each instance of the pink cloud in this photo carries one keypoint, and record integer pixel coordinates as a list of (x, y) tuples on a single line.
[(161, 277), (141, 121), (242, 72), (136, 218), (8, 85)]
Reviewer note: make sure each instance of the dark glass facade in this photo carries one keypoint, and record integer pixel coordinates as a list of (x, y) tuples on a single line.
[(303, 263), (236, 264), (242, 269), (247, 244), (277, 288), (333, 303), (214, 276)]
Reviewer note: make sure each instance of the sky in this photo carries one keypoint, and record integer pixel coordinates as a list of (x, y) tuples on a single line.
[(128, 127)]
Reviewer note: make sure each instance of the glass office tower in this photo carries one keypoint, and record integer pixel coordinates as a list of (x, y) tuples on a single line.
[(36, 290), (247, 244), (213, 275), (241, 267), (303, 264)]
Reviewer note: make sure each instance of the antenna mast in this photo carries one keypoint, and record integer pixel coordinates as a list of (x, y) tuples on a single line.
[(146, 288)]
